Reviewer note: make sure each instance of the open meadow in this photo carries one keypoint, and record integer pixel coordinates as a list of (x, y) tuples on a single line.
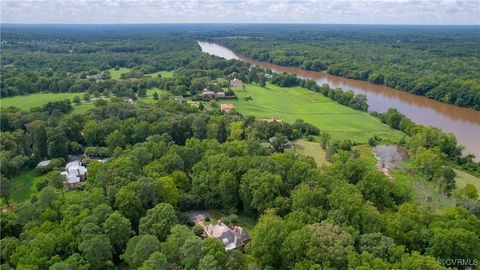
[(35, 100), (464, 178), (289, 104)]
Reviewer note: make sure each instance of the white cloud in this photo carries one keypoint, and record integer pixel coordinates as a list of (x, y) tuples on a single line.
[(239, 11)]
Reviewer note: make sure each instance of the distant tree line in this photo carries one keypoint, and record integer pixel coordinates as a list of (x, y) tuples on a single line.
[(439, 63)]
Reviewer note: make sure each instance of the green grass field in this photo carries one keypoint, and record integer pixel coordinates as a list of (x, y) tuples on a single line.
[(115, 74), (312, 149), (164, 74), (24, 187), (289, 104), (464, 178), (35, 100)]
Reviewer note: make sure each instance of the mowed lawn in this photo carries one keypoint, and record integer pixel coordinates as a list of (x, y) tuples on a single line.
[(289, 104), (24, 187), (27, 102), (312, 149), (116, 73), (163, 74), (464, 178)]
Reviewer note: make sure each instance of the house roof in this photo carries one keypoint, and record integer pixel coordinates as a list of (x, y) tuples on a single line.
[(71, 177), (230, 238), (43, 163)]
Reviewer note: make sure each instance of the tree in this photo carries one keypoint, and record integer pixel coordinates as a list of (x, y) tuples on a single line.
[(156, 261), (267, 238), (116, 139), (309, 199), (86, 96), (324, 138), (214, 247), (235, 131), (177, 238), (5, 189), (57, 143), (118, 229), (57, 180), (294, 248), (228, 190), (191, 252), (448, 183), (468, 191), (376, 244), (208, 262), (408, 226), (416, 261), (158, 221), (428, 162), (97, 250), (155, 95), (128, 203), (139, 249), (455, 243), (329, 245), (377, 189), (77, 100), (259, 189)]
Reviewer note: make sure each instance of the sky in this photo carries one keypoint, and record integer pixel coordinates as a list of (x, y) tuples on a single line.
[(241, 11)]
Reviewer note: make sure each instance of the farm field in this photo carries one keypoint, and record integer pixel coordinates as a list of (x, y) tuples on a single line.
[(312, 149), (289, 104), (464, 178), (35, 100)]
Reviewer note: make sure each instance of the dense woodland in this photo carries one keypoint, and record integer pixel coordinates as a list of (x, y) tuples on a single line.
[(167, 158), (440, 62)]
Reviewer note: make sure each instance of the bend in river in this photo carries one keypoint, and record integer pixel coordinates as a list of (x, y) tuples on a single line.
[(463, 122)]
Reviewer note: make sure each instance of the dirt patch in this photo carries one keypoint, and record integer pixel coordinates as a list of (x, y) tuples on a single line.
[(389, 156)]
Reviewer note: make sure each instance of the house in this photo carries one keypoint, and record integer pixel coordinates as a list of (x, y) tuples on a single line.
[(208, 95), (95, 76), (219, 95), (129, 100), (234, 238), (74, 173), (274, 121), (285, 145), (227, 107), (236, 82)]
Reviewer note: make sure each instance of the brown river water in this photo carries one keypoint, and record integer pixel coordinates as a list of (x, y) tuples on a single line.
[(463, 122)]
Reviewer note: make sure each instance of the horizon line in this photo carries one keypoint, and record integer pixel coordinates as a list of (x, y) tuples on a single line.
[(238, 23)]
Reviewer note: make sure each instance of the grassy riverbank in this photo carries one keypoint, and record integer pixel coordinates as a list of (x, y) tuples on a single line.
[(289, 104)]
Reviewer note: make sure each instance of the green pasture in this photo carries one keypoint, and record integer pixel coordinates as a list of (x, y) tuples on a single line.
[(312, 149), (163, 74), (289, 104), (23, 187), (464, 178), (116, 73), (27, 102)]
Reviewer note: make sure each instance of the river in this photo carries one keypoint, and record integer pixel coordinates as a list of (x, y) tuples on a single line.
[(463, 122)]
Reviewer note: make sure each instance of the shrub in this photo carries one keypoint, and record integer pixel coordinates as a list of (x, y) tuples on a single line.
[(198, 230), (233, 218)]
